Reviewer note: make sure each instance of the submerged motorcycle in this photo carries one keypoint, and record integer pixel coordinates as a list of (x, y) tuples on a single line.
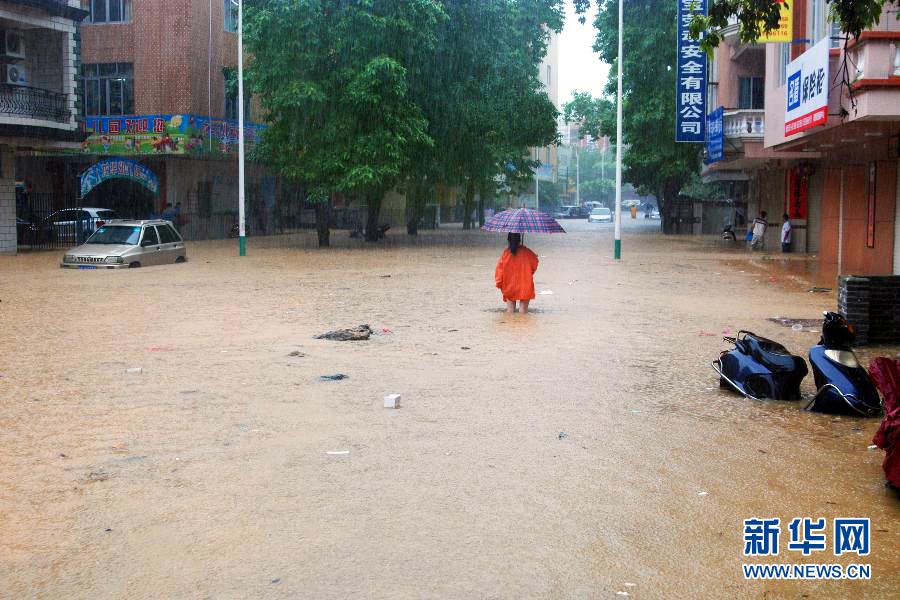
[(759, 368), (844, 385)]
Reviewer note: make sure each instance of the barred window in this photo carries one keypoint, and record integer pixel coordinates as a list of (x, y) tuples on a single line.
[(108, 89), (108, 11), (231, 16)]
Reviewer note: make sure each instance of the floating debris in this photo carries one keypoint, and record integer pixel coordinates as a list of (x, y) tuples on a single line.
[(355, 334), (335, 377)]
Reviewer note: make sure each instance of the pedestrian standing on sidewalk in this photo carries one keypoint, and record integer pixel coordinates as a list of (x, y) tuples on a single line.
[(786, 231), (759, 231), (514, 274)]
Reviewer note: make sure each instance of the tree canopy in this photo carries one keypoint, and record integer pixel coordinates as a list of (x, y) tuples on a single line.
[(365, 96)]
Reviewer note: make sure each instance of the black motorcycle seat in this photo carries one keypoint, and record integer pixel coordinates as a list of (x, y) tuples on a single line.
[(770, 353)]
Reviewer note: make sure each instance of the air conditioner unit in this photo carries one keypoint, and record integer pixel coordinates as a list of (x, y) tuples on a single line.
[(14, 75), (13, 44)]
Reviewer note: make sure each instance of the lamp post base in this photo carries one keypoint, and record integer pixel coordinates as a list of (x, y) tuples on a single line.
[(243, 245), (617, 249)]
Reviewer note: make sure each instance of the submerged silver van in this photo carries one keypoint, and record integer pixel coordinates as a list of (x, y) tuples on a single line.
[(128, 244)]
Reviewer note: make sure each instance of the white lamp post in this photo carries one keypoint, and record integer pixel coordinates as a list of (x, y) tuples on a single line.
[(617, 247), (242, 224)]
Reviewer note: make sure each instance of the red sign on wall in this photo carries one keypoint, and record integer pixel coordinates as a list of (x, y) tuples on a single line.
[(798, 193)]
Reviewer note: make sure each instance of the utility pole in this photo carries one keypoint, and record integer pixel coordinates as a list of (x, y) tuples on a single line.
[(617, 244), (577, 180), (242, 222)]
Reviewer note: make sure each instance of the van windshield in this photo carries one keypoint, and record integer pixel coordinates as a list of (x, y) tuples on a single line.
[(116, 234)]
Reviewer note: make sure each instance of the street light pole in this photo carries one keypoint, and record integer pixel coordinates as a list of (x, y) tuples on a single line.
[(242, 224), (617, 245), (577, 180)]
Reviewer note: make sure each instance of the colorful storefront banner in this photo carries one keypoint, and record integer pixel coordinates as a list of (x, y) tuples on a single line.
[(715, 136), (118, 168), (785, 31), (690, 75), (165, 134), (807, 89)]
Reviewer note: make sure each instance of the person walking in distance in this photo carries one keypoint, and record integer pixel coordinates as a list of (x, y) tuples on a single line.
[(786, 231), (759, 231)]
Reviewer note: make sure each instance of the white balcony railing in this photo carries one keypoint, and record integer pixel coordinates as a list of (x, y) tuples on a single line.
[(749, 124)]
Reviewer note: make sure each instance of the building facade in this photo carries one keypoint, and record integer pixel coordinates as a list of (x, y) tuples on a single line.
[(156, 88), (834, 170), (38, 58)]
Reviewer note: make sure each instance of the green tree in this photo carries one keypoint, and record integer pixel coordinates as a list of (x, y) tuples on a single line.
[(482, 97), (655, 164), (333, 78)]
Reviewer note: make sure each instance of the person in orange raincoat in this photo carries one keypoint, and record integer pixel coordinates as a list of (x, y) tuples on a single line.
[(514, 274)]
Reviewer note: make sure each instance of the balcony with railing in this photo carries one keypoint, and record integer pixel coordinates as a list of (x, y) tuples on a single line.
[(744, 125), (22, 103), (57, 8)]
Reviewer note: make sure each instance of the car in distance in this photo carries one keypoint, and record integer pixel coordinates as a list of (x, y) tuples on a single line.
[(600, 215), (128, 244), (74, 225), (571, 212)]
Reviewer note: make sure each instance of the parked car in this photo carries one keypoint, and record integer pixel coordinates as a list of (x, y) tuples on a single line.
[(74, 225), (124, 244), (571, 212), (600, 215)]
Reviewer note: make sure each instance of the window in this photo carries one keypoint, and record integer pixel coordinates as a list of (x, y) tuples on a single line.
[(108, 11), (231, 16), (816, 29), (750, 92), (837, 37), (108, 89), (784, 59), (150, 237), (167, 235)]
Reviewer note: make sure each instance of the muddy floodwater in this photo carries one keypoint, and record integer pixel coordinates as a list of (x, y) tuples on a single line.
[(583, 451)]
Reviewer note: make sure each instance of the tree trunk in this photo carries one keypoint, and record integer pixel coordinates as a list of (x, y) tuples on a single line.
[(482, 193), (323, 216), (468, 204), (374, 208), (416, 204)]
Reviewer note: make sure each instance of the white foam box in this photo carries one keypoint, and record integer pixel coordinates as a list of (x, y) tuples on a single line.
[(392, 401)]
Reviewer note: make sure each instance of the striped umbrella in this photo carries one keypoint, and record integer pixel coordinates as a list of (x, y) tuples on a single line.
[(523, 220)]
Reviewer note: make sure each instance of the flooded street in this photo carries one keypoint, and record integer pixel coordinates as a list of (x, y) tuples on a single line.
[(577, 452)]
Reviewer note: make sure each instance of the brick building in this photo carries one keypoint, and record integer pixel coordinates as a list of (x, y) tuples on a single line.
[(157, 86), (37, 91)]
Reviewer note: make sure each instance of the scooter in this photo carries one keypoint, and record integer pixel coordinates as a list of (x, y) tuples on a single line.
[(728, 234), (760, 368), (844, 385)]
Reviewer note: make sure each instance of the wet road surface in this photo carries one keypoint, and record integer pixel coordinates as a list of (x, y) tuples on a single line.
[(584, 451)]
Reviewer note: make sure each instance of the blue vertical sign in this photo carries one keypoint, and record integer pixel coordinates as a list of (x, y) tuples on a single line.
[(715, 136), (690, 86)]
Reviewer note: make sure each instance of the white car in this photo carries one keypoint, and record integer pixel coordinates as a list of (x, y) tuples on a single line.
[(74, 225), (600, 215)]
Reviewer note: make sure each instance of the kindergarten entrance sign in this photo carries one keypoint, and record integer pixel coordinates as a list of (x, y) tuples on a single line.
[(118, 168), (807, 90)]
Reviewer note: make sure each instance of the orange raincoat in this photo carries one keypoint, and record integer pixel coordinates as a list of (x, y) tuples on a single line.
[(514, 275)]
